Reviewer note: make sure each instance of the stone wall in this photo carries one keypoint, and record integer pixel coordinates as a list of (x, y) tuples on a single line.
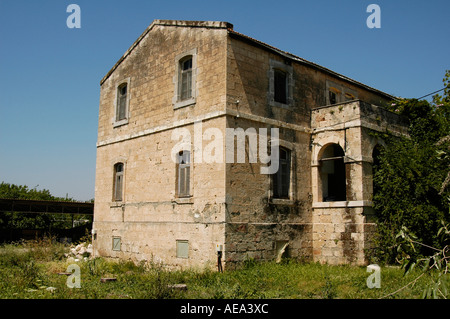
[(342, 230), (231, 204), (151, 218)]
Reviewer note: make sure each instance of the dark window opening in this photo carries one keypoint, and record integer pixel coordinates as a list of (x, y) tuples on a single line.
[(281, 180), (332, 174), (332, 96), (280, 86)]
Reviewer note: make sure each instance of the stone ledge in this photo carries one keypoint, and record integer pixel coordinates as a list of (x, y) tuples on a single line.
[(183, 200), (280, 201), (343, 204)]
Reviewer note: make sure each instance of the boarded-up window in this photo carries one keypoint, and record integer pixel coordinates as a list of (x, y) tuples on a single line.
[(121, 111), (184, 169), (281, 180), (182, 249), (116, 243), (280, 86), (118, 182), (185, 78)]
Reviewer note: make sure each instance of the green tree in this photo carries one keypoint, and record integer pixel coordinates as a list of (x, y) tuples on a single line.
[(410, 187), (13, 220)]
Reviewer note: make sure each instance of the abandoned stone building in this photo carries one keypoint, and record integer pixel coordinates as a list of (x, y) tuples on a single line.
[(169, 102)]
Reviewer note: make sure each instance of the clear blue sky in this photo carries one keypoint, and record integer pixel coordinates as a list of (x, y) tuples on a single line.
[(50, 74)]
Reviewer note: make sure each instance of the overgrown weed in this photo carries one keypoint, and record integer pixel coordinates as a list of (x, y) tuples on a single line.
[(27, 269)]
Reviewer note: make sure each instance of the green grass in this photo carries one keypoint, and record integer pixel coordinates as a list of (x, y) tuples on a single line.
[(27, 269)]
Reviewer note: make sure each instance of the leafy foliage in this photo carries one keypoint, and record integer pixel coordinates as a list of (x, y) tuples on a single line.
[(434, 266), (12, 191), (14, 220), (411, 177)]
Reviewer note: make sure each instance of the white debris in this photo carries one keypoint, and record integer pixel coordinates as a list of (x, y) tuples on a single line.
[(51, 289), (81, 251)]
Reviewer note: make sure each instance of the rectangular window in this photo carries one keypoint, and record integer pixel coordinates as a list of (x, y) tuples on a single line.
[(118, 182), (186, 79), (332, 97), (281, 180), (184, 169), (337, 93), (280, 86), (281, 83), (182, 249), (121, 102)]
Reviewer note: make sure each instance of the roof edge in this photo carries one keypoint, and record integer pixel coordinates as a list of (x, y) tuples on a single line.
[(172, 23), (197, 24), (295, 58), (228, 26)]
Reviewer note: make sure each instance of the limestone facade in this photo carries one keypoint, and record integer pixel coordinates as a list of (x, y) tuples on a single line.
[(183, 86)]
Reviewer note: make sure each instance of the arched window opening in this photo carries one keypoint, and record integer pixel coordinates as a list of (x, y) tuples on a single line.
[(332, 174), (185, 77)]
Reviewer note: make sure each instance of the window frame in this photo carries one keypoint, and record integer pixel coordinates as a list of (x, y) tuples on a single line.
[(118, 175), (274, 67), (334, 190), (177, 99), (280, 97), (277, 182), (179, 250), (185, 78), (116, 121), (341, 92), (184, 168), (116, 243), (335, 97)]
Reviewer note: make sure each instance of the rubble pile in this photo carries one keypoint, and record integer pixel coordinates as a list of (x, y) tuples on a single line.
[(79, 252)]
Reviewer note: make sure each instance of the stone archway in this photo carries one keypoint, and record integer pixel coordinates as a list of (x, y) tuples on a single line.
[(332, 176)]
